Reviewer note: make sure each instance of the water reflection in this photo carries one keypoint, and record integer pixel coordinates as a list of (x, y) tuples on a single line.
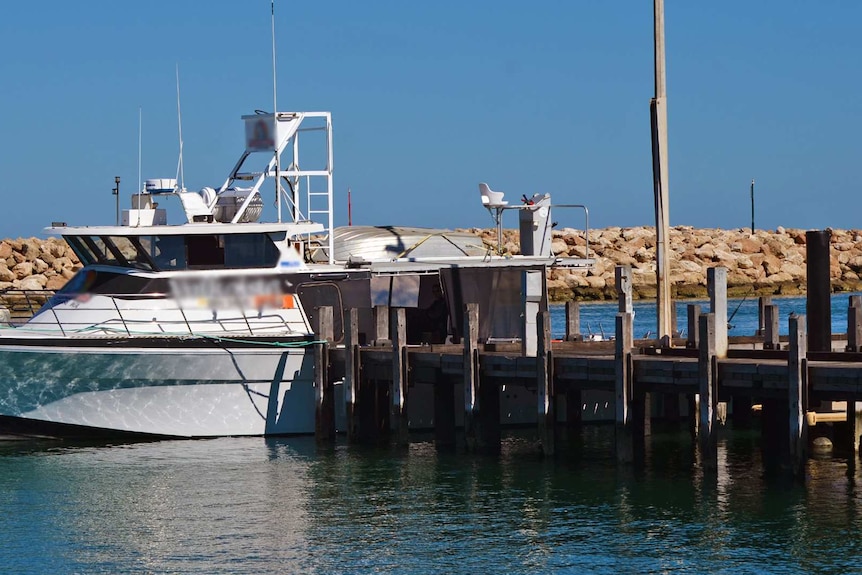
[(286, 505)]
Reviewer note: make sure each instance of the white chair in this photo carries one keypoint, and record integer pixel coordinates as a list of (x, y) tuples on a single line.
[(495, 204), (490, 198)]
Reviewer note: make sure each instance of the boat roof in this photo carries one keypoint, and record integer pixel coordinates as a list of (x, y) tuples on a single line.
[(215, 228)]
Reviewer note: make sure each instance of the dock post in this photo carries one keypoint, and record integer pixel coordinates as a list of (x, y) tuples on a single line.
[(818, 304), (708, 375), (716, 285), (472, 381), (854, 324), (444, 412), (623, 384), (352, 370), (693, 325), (717, 278), (573, 321), (398, 395), (574, 410), (693, 342), (381, 325), (770, 327), (532, 292), (797, 367), (854, 428), (623, 283), (674, 321), (762, 302), (545, 384), (324, 413)]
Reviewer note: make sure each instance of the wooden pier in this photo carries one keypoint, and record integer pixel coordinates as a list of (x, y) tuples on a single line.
[(713, 375)]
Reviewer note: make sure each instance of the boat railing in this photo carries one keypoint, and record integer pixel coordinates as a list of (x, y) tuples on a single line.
[(117, 316), (22, 304), (586, 223)]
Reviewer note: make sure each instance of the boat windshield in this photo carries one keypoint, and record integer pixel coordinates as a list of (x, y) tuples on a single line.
[(180, 252)]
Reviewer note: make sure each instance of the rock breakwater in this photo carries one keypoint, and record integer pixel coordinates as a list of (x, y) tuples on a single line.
[(762, 263)]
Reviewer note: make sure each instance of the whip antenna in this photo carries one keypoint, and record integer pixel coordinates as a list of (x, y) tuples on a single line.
[(180, 174), (275, 117)]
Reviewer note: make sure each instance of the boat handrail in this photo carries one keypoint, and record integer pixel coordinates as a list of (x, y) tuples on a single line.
[(128, 326), (24, 303), (586, 223), (234, 319)]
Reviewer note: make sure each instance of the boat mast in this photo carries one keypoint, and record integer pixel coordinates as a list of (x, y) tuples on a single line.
[(658, 116)]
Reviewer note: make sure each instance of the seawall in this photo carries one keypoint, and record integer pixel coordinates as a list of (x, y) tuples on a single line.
[(762, 263)]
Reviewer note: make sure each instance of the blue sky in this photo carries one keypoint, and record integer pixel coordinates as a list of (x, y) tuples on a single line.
[(430, 98)]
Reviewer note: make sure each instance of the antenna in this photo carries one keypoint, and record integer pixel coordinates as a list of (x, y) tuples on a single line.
[(140, 182), (140, 125), (275, 118), (274, 91), (180, 174)]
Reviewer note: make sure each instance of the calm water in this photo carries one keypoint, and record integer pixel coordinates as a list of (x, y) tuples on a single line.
[(599, 318), (283, 506), (286, 506)]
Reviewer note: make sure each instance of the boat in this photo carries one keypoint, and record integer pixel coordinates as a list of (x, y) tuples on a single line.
[(206, 328)]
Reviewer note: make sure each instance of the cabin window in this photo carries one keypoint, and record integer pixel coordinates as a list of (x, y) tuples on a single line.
[(132, 251), (168, 252), (180, 252), (84, 253), (205, 252), (250, 251)]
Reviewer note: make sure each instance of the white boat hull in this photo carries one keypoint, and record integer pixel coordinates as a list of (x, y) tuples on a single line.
[(190, 391)]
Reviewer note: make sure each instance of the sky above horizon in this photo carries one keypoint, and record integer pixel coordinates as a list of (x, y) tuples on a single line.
[(429, 99)]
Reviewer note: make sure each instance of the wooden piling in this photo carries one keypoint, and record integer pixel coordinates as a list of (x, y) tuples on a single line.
[(708, 391), (818, 303), (352, 370), (532, 288), (716, 285), (398, 394), (472, 382), (381, 325), (770, 326), (545, 384), (762, 302), (444, 412), (623, 387), (324, 414), (854, 428), (623, 284), (693, 325), (797, 374), (741, 413), (573, 321), (574, 410), (854, 324)]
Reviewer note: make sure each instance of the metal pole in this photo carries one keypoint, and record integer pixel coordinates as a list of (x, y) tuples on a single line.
[(658, 109), (116, 192), (752, 205)]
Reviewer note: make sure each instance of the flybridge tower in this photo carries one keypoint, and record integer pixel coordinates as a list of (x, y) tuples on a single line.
[(301, 141), (307, 181)]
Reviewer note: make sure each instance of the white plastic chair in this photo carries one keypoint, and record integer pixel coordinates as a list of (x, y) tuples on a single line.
[(490, 198), (495, 204)]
